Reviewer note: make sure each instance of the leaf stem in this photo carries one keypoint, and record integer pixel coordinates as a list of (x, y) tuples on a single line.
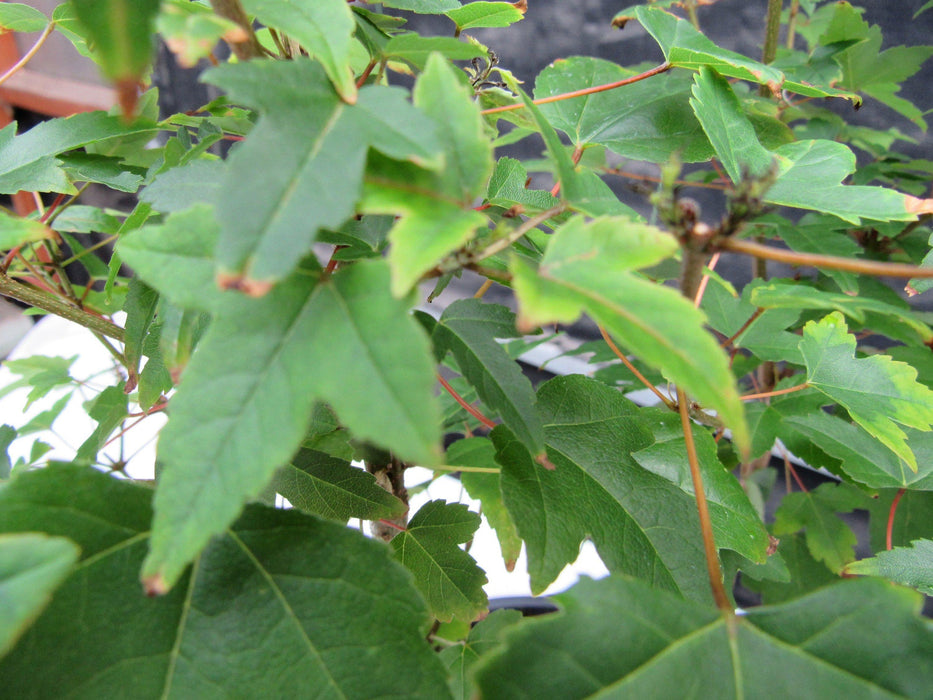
[(634, 370), (792, 22), (706, 525), (779, 392), (890, 529), (472, 470), (751, 319), (585, 91), (54, 305), (463, 402), (29, 54), (772, 32), (831, 262)]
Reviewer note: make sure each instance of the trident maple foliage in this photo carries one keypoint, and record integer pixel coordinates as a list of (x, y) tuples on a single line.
[(271, 314)]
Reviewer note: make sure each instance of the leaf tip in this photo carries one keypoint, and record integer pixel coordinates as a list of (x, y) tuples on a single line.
[(250, 287), (545, 462), (155, 585), (521, 6), (127, 97), (915, 205)]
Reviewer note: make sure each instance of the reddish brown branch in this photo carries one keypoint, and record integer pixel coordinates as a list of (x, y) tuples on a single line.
[(460, 400)]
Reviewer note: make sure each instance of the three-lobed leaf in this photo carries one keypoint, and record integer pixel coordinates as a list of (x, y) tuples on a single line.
[(877, 391), (239, 416)]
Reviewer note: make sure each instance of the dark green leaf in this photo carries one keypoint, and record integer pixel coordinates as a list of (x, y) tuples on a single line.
[(334, 489), (104, 170), (28, 161), (876, 391), (7, 436), (829, 538), (140, 307), (311, 148), (598, 490), (588, 267), (619, 638), (31, 567), (736, 525), (648, 120), (243, 406), (324, 28), (177, 189), (910, 566), (448, 578), (281, 605), (468, 329), (507, 188)]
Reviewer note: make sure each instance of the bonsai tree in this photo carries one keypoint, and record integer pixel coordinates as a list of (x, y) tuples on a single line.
[(274, 310)]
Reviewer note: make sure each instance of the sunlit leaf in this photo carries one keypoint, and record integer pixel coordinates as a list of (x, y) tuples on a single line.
[(485, 14), (16, 17), (910, 566), (876, 391)]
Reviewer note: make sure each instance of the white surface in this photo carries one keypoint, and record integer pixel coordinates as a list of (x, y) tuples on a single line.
[(55, 337)]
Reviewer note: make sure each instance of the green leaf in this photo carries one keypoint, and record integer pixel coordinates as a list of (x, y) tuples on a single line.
[(909, 566), (334, 489), (619, 638), (243, 406), (484, 487), (468, 329), (787, 294), (641, 523), (485, 14), (180, 188), (647, 120), (140, 307), (121, 35), (31, 567), (685, 47), (16, 17), (16, 231), (587, 267), (507, 188), (177, 257), (864, 458), (923, 9), (876, 391), (312, 149), (273, 608), (434, 7), (728, 127), (810, 175), (829, 539), (7, 435), (417, 49), (485, 637), (736, 524), (867, 69), (438, 206), (804, 573), (448, 578), (27, 161), (40, 373), (105, 170), (108, 409), (323, 27)]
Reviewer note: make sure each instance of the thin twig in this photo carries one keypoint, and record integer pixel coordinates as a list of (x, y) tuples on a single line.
[(585, 91), (751, 319), (463, 402), (29, 54), (890, 529), (706, 526), (634, 370), (515, 235), (779, 392), (711, 265), (829, 262)]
